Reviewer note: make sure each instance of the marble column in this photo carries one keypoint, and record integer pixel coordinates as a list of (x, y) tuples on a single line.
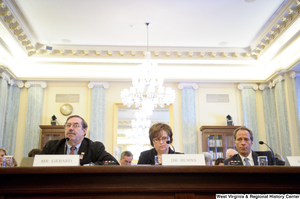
[(249, 110), (282, 115), (4, 81), (97, 121), (189, 127), (33, 115), (12, 116)]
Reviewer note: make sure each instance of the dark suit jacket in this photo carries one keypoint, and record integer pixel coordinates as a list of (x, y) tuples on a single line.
[(255, 155), (93, 151), (147, 157)]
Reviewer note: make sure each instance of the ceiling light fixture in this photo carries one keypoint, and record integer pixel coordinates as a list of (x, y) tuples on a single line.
[(146, 81)]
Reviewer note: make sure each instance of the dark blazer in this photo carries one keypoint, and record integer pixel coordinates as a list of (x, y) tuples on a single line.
[(255, 155), (147, 157), (93, 151)]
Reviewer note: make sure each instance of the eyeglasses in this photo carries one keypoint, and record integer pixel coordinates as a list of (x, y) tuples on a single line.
[(161, 139), (74, 125)]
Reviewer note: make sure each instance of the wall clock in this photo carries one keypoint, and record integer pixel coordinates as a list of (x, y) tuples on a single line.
[(66, 109)]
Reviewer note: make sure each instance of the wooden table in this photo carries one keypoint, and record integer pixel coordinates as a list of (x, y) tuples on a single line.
[(146, 181)]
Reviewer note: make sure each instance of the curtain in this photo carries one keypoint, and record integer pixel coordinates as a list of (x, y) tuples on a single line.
[(189, 131), (97, 129), (249, 114), (296, 95), (3, 106), (11, 122), (271, 123), (33, 118), (283, 119)]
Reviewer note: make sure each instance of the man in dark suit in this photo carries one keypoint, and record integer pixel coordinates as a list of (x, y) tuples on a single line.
[(75, 143), (243, 140)]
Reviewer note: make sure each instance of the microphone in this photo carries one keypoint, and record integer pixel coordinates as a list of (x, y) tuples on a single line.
[(274, 159), (65, 149), (169, 142)]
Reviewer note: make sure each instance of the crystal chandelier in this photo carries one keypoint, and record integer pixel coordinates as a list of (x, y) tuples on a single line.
[(142, 93)]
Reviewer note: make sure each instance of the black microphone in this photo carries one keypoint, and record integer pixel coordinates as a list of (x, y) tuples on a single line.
[(65, 150), (274, 159), (169, 142)]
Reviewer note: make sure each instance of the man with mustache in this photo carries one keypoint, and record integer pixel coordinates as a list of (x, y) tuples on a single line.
[(243, 140), (75, 142)]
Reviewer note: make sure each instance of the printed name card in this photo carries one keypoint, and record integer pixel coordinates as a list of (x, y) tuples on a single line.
[(55, 160), (293, 160), (183, 159)]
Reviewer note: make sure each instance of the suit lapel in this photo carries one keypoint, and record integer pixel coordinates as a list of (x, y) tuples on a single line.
[(254, 157), (83, 150)]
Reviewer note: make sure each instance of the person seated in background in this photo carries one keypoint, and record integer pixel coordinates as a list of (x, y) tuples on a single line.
[(126, 158), (219, 161), (33, 152), (75, 142), (243, 140), (161, 136), (208, 158), (3, 152), (230, 153)]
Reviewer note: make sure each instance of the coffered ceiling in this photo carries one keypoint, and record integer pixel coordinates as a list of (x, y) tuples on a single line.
[(191, 40)]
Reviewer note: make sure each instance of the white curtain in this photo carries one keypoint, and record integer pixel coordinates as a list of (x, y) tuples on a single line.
[(189, 130), (283, 119), (296, 95), (271, 122), (249, 114), (11, 121), (97, 128), (3, 106), (33, 118)]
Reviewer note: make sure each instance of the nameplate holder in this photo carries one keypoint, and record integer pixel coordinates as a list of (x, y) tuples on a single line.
[(183, 159), (293, 160), (55, 160)]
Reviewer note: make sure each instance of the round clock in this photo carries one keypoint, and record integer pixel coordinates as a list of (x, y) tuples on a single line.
[(66, 109)]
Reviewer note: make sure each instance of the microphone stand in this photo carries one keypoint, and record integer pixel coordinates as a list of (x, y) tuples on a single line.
[(274, 159)]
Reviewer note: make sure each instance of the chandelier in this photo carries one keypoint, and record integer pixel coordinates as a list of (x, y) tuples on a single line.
[(143, 92)]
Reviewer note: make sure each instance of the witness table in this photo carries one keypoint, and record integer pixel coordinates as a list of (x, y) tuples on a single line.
[(146, 181)]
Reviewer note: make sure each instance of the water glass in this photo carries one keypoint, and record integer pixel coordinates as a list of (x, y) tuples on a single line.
[(262, 161), (157, 160), (8, 161)]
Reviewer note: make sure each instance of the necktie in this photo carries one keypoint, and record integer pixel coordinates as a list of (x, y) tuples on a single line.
[(72, 150), (247, 162)]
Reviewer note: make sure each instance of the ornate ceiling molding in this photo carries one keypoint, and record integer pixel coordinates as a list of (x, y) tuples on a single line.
[(290, 14)]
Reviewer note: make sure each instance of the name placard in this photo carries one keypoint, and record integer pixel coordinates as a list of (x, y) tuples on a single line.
[(55, 160), (293, 160), (183, 159)]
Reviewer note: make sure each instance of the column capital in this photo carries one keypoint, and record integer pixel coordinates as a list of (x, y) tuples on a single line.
[(43, 84), (242, 86), (294, 74), (104, 84), (5, 76), (182, 85), (265, 85), (18, 83), (277, 79)]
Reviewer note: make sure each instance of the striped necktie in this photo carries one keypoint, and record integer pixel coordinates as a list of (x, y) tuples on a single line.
[(247, 162), (72, 150)]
